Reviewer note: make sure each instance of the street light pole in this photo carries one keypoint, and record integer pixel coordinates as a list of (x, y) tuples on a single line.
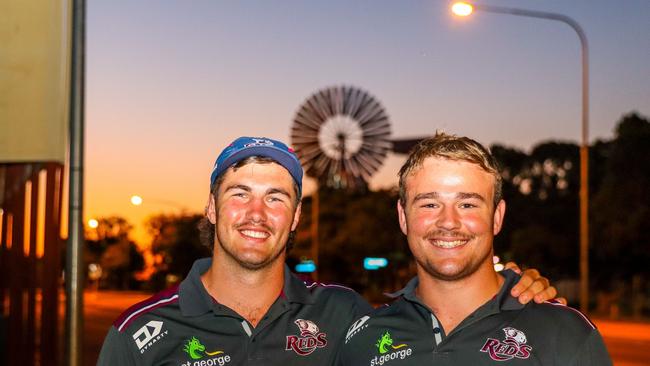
[(584, 144)]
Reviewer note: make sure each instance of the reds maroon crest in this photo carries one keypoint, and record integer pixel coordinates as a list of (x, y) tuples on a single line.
[(514, 345), (310, 338)]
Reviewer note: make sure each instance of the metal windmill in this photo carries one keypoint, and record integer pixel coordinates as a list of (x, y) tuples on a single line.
[(341, 135)]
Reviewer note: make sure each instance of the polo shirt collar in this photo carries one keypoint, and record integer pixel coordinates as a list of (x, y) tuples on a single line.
[(295, 289), (195, 300), (502, 301)]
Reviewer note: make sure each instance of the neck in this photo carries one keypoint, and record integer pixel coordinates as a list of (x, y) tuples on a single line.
[(250, 293), (453, 301)]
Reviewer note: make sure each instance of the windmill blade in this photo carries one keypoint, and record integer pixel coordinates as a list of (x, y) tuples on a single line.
[(341, 135)]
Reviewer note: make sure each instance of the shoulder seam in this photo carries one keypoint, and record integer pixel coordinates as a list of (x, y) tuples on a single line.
[(583, 316), (320, 284), (138, 310)]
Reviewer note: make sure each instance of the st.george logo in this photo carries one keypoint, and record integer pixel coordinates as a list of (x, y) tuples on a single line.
[(148, 335), (514, 345), (310, 338)]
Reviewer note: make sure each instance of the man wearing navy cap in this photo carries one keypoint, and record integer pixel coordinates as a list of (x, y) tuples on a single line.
[(243, 305)]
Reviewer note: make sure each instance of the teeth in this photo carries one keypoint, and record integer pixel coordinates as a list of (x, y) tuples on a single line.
[(448, 244), (255, 234)]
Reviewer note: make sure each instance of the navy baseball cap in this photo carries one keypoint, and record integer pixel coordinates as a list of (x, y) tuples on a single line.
[(245, 147)]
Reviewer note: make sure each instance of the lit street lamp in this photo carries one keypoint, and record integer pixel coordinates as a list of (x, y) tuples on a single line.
[(465, 9), (137, 200)]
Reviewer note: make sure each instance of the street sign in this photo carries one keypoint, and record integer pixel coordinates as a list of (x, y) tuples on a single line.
[(372, 264), (306, 267)]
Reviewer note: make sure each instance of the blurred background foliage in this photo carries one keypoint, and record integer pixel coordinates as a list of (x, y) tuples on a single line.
[(540, 230)]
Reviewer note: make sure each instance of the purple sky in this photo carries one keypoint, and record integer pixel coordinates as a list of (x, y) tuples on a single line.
[(170, 83)]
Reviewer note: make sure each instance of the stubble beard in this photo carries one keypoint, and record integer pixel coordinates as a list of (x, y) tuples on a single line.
[(467, 268), (242, 262)]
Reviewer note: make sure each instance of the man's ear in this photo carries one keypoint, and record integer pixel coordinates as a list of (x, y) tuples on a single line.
[(402, 217), (499, 213), (296, 216), (211, 210)]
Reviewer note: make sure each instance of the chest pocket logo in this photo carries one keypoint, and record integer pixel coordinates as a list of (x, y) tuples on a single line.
[(310, 338), (514, 345)]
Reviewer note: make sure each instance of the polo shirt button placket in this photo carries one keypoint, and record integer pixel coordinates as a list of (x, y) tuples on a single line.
[(441, 358)]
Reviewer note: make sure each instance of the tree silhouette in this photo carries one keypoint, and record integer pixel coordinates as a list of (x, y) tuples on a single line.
[(110, 246), (175, 245)]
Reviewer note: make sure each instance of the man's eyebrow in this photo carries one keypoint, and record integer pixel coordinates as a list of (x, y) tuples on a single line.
[(459, 195), (425, 196), (469, 195), (279, 191), (246, 188), (238, 186)]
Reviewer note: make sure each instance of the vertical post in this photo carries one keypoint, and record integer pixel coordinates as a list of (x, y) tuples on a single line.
[(74, 254), (52, 266), (584, 144), (584, 177), (315, 209)]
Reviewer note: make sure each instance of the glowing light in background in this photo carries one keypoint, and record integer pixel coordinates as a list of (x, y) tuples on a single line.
[(93, 224), (497, 266), (462, 9), (136, 200)]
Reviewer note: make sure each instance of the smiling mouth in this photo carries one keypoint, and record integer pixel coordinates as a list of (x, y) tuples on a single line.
[(255, 234), (447, 244)]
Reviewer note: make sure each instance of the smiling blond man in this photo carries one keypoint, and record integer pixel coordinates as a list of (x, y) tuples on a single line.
[(458, 310)]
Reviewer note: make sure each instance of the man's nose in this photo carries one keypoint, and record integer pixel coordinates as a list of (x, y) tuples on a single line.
[(449, 219), (257, 210)]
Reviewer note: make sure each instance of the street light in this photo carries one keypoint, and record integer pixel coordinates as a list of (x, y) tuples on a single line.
[(137, 200), (93, 223), (465, 9)]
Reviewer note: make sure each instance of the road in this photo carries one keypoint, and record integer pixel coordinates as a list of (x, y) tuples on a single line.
[(627, 342)]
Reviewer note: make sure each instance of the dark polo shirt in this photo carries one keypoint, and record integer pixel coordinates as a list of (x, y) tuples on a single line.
[(501, 332), (186, 326)]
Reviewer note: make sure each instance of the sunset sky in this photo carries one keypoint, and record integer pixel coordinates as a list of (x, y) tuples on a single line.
[(170, 83)]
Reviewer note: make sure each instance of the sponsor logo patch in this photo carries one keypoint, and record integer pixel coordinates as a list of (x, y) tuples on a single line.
[(149, 334), (514, 345), (358, 326), (310, 338), (200, 357), (389, 351)]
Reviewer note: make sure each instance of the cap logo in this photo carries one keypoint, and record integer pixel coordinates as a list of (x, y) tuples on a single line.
[(259, 142)]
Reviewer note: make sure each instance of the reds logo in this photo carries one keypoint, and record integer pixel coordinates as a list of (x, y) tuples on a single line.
[(513, 346), (310, 338)]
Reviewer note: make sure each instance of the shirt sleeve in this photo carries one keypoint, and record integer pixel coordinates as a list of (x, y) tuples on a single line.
[(593, 352), (361, 308), (115, 351)]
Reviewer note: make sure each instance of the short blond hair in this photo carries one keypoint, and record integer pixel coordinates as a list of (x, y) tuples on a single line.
[(450, 147)]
